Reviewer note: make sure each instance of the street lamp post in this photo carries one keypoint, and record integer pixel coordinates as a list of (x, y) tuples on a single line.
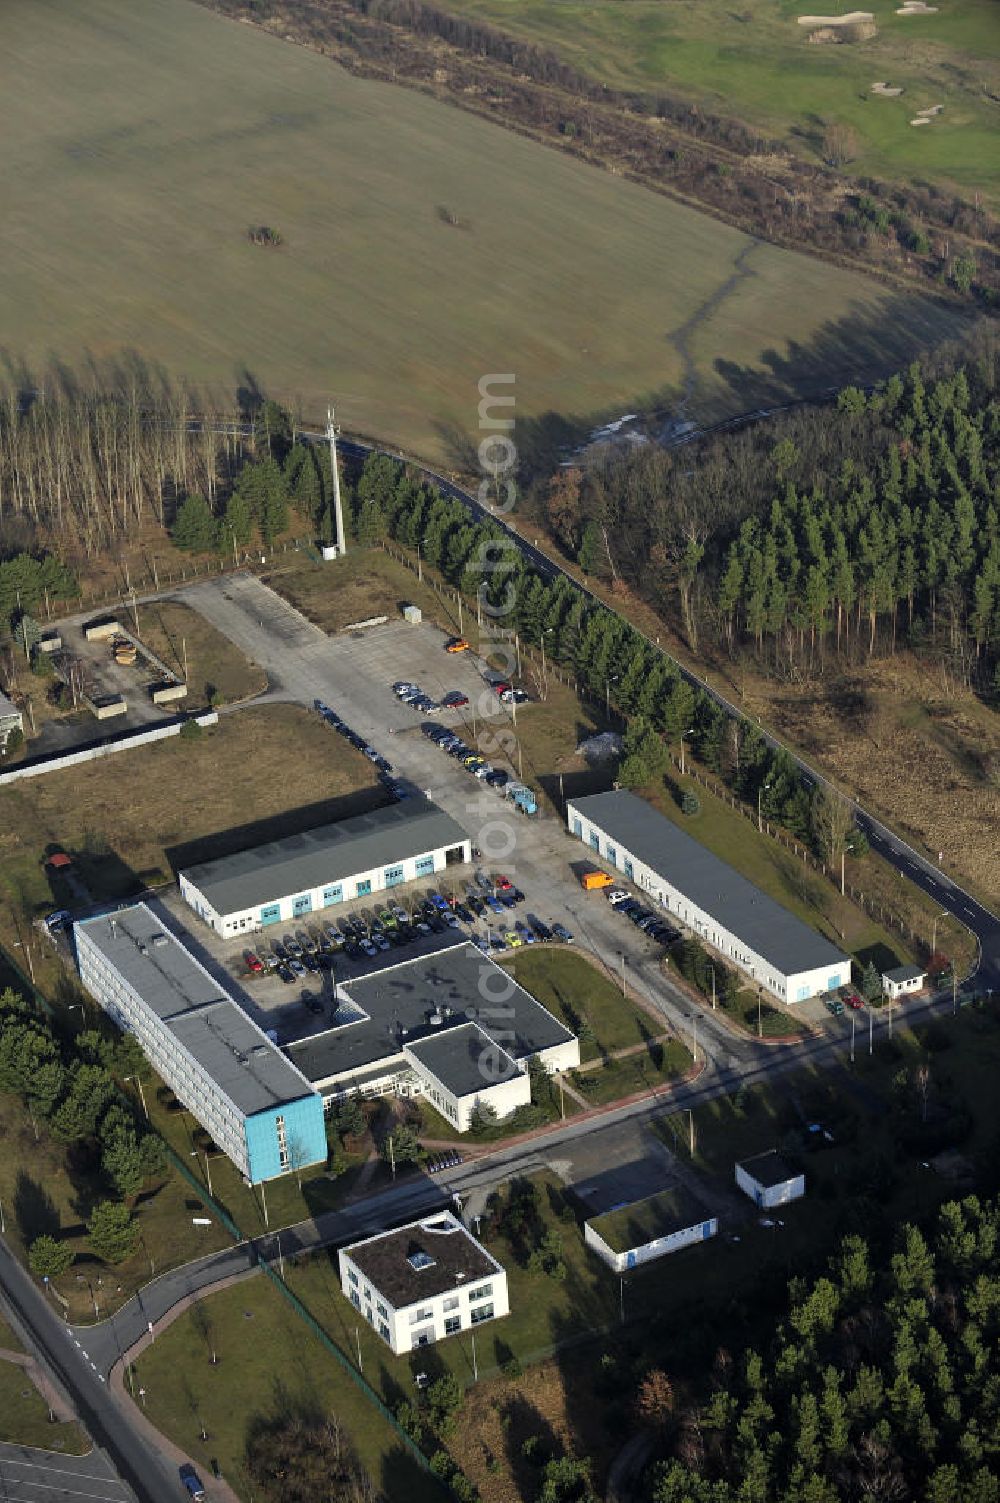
[(545, 675), (760, 817), (871, 1029), (854, 1019), (688, 732), (607, 692), (943, 914), (760, 1019), (694, 1034), (711, 967), (623, 974), (142, 1094)]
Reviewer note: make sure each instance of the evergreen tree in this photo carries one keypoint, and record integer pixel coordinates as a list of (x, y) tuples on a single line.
[(194, 527)]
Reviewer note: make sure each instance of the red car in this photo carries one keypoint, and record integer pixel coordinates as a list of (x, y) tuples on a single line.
[(455, 700), (254, 964), (501, 687), (503, 884), (853, 1001)]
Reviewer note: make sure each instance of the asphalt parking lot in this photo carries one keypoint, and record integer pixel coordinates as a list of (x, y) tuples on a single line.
[(30, 1476)]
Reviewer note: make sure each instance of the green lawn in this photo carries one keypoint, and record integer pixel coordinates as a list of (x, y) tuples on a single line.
[(648, 1070), (141, 187), (267, 1361), (755, 62), (581, 995), (24, 1416)]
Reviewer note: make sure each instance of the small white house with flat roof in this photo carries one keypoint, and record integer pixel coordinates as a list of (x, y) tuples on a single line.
[(769, 1180), (423, 1282), (902, 980), (648, 1229)]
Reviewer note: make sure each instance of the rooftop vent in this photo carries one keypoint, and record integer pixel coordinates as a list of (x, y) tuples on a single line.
[(159, 940), (419, 1259)]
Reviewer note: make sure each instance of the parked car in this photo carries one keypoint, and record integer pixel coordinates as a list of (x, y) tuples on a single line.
[(561, 932), (617, 895), (835, 1006), (285, 973), (494, 904), (513, 939), (61, 919), (542, 931), (192, 1482), (455, 700), (853, 1001), (456, 644), (297, 968), (502, 883), (254, 963)]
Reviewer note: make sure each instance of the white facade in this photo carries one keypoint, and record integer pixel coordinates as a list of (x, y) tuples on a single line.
[(793, 986), (291, 907), (503, 1097), (11, 719), (766, 1192), (647, 1252), (901, 982), (468, 1301)]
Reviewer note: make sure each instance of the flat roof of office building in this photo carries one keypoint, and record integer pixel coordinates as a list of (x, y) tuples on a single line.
[(422, 1260), (327, 854), (710, 883), (465, 1059), (769, 1169), (204, 1019), (643, 1221), (456, 985)]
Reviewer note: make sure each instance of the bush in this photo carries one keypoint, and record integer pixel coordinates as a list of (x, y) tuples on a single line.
[(48, 1257), (113, 1231), (690, 802), (190, 730), (512, 1369)]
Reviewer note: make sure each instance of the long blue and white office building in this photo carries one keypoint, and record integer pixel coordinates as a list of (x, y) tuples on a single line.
[(256, 1106)]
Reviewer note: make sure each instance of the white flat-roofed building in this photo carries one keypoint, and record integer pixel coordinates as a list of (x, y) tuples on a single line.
[(629, 1235), (450, 1025), (11, 719), (250, 1099), (707, 895), (423, 1282), (770, 1180), (286, 879), (903, 980)]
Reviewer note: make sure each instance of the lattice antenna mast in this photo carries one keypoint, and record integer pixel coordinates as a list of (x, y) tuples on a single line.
[(338, 512)]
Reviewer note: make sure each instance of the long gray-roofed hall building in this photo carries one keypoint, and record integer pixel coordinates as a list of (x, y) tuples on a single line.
[(760, 936), (254, 1103), (451, 1026), (286, 879)]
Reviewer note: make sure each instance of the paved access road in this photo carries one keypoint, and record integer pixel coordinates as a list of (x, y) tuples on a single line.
[(31, 1476), (975, 916), (148, 1478)]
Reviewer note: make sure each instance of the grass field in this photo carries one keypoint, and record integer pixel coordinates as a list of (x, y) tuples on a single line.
[(134, 196), (123, 819), (580, 995), (24, 1416), (754, 62), (217, 671)]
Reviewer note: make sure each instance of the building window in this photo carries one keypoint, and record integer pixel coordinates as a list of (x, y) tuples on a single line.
[(332, 895), (381, 1309), (628, 868), (302, 904), (418, 1315), (279, 1123), (481, 1313), (355, 1299), (612, 855), (595, 841), (483, 1292), (450, 1304), (363, 888), (424, 866), (393, 875), (353, 1277), (452, 1325), (578, 828), (383, 1330)]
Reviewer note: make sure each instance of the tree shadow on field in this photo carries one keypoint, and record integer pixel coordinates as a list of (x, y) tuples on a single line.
[(34, 1209), (861, 347)]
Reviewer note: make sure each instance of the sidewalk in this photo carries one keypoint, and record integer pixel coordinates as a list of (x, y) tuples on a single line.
[(218, 1488), (62, 1410)]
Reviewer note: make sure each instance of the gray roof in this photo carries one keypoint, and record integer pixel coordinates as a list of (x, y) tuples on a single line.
[(8, 709), (456, 1259), (400, 1000), (465, 1059), (329, 853), (660, 1215), (203, 1018), (769, 1169), (710, 883), (904, 973)]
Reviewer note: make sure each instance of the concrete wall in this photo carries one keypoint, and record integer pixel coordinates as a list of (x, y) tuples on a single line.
[(794, 987), (767, 1196), (125, 742), (621, 1262)]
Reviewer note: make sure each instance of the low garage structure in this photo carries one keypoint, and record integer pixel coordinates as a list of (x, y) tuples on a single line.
[(286, 879), (649, 1229), (719, 904), (770, 1180), (903, 980)]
